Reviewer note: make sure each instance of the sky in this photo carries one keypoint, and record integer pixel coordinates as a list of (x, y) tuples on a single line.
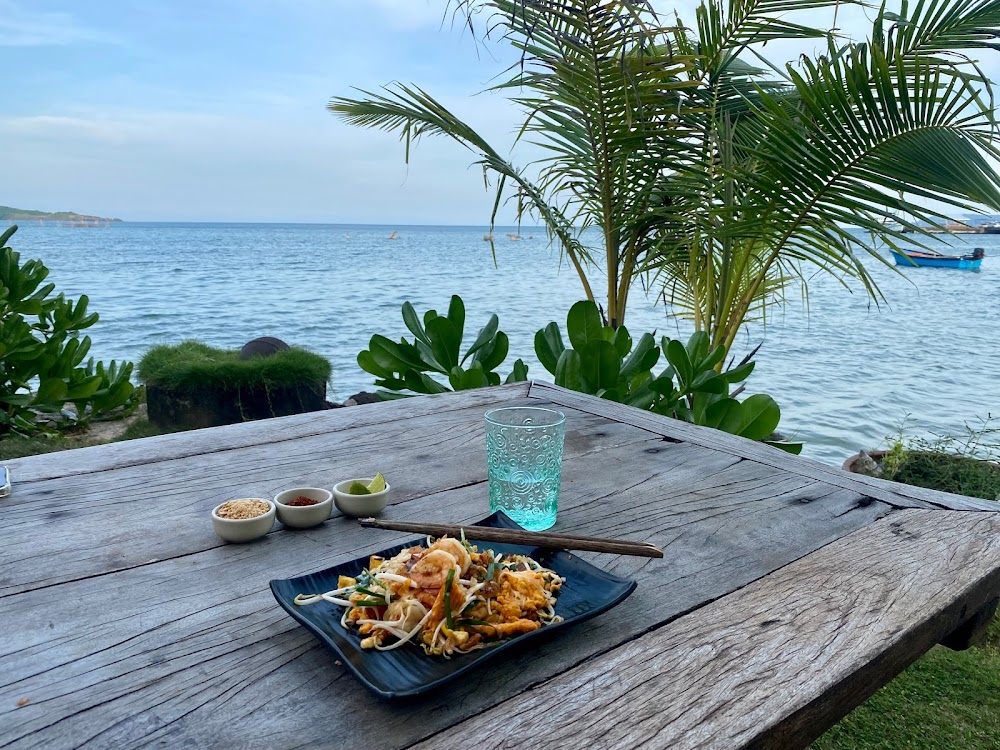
[(214, 110)]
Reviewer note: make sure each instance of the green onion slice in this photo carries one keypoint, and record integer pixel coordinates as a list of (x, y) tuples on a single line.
[(447, 598)]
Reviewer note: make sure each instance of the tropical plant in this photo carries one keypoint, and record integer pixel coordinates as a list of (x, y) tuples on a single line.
[(792, 161), (605, 362), (601, 97), (436, 348), (713, 170), (42, 368)]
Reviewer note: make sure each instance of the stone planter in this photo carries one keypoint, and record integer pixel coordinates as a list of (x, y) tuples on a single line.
[(193, 408)]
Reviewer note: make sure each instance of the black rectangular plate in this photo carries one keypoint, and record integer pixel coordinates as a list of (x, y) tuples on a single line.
[(407, 670)]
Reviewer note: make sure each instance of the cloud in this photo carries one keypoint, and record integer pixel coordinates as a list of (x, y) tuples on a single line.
[(29, 28)]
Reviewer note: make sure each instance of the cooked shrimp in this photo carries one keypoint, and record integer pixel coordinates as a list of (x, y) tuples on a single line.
[(457, 550), (432, 570)]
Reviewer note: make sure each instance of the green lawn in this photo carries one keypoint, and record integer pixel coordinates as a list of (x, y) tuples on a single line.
[(12, 447), (947, 700)]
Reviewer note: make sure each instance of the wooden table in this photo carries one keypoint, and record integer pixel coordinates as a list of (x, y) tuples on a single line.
[(789, 593)]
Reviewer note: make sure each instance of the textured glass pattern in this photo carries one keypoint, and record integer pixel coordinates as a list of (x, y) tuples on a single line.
[(524, 447)]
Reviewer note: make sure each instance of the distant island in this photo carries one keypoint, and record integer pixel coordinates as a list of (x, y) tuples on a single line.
[(23, 214)]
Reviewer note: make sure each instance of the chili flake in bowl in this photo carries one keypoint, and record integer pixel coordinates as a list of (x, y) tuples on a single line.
[(243, 520), (303, 507)]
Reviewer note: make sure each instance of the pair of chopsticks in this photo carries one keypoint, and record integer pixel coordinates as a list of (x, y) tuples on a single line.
[(519, 536)]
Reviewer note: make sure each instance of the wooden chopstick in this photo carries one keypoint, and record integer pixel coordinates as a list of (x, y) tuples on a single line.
[(520, 536)]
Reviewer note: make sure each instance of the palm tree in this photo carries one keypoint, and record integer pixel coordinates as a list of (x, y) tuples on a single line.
[(790, 164), (711, 170), (601, 97)]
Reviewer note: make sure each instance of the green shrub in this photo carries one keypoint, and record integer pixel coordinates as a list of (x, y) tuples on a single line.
[(693, 387), (437, 348), (964, 464), (42, 368), (192, 365)]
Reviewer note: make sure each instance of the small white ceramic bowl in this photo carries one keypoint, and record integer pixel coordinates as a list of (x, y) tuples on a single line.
[(360, 506), (246, 529), (304, 516)]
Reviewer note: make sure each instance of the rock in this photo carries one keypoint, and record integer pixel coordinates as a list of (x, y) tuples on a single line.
[(362, 398), (865, 464), (264, 346)]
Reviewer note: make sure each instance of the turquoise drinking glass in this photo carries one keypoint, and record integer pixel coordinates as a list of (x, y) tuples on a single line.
[(524, 448)]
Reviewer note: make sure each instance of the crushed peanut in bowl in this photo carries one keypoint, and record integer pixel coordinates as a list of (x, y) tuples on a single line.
[(242, 510)]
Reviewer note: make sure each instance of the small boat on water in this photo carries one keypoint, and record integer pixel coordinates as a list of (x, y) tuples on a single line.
[(969, 262)]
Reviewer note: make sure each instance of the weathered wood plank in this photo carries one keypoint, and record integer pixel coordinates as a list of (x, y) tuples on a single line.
[(193, 651), (262, 432), (97, 522), (772, 665), (894, 493)]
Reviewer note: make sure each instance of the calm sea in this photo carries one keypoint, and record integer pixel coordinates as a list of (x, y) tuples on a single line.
[(846, 372)]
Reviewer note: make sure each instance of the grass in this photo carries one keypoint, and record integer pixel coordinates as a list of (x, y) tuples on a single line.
[(12, 446), (948, 700), (959, 474), (192, 365)]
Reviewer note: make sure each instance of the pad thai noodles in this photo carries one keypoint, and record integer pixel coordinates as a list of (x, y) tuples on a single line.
[(446, 597)]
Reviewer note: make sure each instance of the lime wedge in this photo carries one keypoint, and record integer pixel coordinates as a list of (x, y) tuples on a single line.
[(357, 488), (377, 484)]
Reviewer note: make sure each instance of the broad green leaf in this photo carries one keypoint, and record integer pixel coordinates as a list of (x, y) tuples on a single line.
[(519, 374), (760, 417), (600, 365), (385, 352), (456, 314), (709, 382), (583, 324), (677, 356), (643, 357), (697, 348), (622, 341), (485, 336), (393, 384), (569, 371), (713, 358), (549, 346), (412, 322), (422, 383), (726, 415), (793, 448), (445, 341), (367, 363), (51, 391), (492, 356), (84, 389), (740, 373)]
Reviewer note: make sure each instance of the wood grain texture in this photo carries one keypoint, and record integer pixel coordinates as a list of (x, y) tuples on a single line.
[(262, 432), (774, 664), (898, 495), (193, 651), (101, 521)]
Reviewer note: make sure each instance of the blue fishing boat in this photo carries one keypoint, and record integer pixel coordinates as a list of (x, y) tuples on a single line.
[(970, 262)]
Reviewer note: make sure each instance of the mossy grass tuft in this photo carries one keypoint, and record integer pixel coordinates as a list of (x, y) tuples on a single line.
[(964, 464), (192, 365)]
